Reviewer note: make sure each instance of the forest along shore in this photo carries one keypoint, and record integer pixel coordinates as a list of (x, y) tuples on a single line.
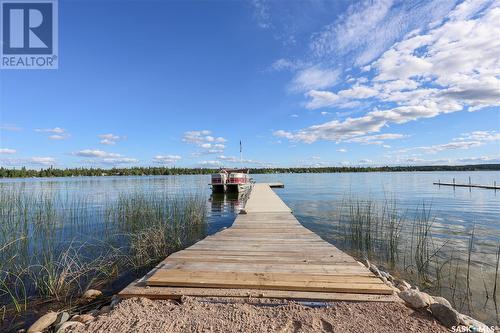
[(165, 171)]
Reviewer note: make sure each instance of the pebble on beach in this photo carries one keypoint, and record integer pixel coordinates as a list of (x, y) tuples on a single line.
[(442, 300), (446, 315), (43, 322), (67, 325), (402, 284), (82, 318), (416, 299), (92, 294)]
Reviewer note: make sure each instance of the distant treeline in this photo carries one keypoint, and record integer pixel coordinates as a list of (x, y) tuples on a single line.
[(159, 171)]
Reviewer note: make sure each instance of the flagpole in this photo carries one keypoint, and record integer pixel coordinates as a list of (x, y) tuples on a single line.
[(241, 155)]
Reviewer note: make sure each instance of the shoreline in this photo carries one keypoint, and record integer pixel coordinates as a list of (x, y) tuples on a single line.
[(51, 172), (98, 312), (413, 311)]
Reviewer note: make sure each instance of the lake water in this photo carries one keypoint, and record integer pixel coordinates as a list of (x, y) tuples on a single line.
[(316, 200)]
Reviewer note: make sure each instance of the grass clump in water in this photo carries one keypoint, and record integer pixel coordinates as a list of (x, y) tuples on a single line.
[(410, 244), (54, 247)]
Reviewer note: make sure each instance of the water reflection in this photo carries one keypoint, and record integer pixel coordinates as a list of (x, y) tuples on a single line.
[(223, 209)]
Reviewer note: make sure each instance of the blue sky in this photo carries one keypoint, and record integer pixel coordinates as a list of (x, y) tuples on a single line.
[(303, 83)]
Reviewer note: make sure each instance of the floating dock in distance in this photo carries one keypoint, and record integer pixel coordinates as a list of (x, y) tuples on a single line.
[(490, 187), (266, 253), (276, 185)]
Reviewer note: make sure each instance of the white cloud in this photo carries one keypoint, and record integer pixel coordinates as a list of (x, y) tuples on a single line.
[(483, 136), (351, 31), (314, 78), (294, 115), (43, 160), (229, 158), (7, 151), (452, 67), (110, 139), (377, 139), (261, 13), (166, 159), (421, 161), (55, 130), (321, 99), (451, 146), (213, 163), (58, 137), (203, 139), (195, 137), (95, 153), (29, 161), (118, 160), (286, 64), (448, 161), (56, 133), (96, 156), (340, 130), (344, 98), (10, 128), (342, 150), (465, 141), (234, 159), (479, 159), (368, 28)]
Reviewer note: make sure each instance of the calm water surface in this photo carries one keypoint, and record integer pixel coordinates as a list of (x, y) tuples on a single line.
[(315, 200), (455, 210)]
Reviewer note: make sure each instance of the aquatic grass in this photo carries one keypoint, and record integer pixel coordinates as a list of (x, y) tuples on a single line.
[(13, 286), (156, 226), (55, 247), (406, 241), (369, 229), (496, 273)]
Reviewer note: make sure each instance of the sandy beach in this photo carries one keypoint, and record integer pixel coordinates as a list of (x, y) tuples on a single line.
[(142, 315)]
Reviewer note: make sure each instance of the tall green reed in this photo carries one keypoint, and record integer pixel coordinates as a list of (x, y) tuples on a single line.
[(54, 246), (408, 243)]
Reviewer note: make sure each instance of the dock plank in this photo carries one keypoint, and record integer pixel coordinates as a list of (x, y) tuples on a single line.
[(266, 252)]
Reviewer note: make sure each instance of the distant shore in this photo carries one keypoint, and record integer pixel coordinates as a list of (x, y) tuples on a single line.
[(165, 171)]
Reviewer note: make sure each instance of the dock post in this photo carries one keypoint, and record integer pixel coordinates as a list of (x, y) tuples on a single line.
[(469, 180), (453, 181)]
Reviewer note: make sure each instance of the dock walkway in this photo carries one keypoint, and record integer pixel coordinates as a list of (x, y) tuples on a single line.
[(265, 253)]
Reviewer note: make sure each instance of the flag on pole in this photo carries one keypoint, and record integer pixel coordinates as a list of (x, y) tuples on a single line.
[(240, 147)]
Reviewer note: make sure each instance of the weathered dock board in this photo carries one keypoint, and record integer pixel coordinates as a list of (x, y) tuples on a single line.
[(266, 253), (490, 187)]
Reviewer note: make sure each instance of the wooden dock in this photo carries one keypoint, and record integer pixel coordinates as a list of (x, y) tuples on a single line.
[(489, 187), (266, 253)]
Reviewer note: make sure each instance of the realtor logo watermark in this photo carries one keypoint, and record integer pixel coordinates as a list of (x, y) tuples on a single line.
[(29, 34)]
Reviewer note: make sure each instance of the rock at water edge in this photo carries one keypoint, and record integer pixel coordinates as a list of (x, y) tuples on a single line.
[(43, 322), (415, 298), (92, 294), (442, 300), (446, 316), (67, 325)]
